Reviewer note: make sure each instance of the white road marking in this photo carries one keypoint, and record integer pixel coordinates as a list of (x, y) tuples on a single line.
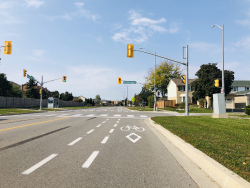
[(50, 115), (130, 115), (70, 144), (107, 119), (111, 130), (133, 140), (76, 115), (119, 119), (117, 115), (111, 110), (143, 116), (90, 159), (104, 115), (33, 168), (90, 131), (90, 115), (115, 125), (117, 122), (105, 140), (62, 115), (104, 122), (99, 125)]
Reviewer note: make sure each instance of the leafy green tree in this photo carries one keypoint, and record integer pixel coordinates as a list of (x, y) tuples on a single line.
[(32, 91), (66, 96), (45, 94), (55, 94), (164, 73), (144, 94), (5, 86), (97, 99), (150, 101), (204, 85), (15, 92)]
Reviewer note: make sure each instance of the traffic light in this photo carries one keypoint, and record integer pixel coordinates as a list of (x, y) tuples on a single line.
[(183, 79), (154, 92), (7, 47), (64, 78), (24, 72), (130, 50), (216, 83), (40, 91), (119, 80)]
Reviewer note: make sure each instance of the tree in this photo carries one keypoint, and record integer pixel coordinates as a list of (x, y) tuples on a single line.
[(5, 86), (138, 100), (32, 91), (15, 92), (164, 73), (55, 94), (144, 94), (66, 96), (150, 101), (97, 99), (204, 85)]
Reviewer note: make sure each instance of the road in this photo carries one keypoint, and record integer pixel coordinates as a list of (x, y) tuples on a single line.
[(100, 147)]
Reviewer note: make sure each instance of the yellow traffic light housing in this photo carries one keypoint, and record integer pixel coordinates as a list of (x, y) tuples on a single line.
[(183, 79), (130, 50), (7, 47), (154, 92), (216, 83), (24, 72), (119, 80), (40, 91), (64, 78)]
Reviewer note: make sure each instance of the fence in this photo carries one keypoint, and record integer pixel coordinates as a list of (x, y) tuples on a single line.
[(165, 103), (15, 102)]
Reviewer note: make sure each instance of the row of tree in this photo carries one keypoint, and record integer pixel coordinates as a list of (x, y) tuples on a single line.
[(203, 85)]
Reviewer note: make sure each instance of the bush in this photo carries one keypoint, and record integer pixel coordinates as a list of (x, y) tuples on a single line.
[(181, 105), (151, 101), (247, 110), (176, 105)]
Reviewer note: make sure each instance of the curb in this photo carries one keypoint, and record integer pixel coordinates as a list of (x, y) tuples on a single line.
[(222, 175)]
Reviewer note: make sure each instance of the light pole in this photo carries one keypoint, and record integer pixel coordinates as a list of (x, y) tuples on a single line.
[(127, 95), (155, 79), (223, 83)]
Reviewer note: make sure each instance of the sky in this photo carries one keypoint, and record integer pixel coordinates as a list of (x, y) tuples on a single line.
[(87, 41)]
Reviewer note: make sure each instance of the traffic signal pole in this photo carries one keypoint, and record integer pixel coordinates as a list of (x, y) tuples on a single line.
[(187, 99), (41, 96)]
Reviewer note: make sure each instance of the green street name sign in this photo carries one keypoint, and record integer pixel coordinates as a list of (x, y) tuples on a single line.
[(129, 82), (30, 77)]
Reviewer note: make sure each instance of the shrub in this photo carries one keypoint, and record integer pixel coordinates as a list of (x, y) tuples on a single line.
[(176, 105), (202, 102), (247, 110), (181, 105)]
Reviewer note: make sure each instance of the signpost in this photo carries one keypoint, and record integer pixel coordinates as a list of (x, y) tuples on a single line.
[(30, 77), (129, 82)]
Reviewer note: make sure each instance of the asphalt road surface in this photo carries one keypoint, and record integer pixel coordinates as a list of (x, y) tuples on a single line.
[(100, 147)]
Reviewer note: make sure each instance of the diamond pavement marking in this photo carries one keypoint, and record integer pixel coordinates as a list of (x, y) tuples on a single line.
[(133, 140)]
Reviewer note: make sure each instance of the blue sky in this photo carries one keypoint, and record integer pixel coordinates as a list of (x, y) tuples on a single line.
[(86, 40)]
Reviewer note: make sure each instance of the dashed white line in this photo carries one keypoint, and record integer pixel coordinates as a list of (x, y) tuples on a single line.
[(117, 122), (90, 159), (99, 125), (33, 168), (90, 131), (70, 144), (130, 115), (105, 140), (111, 130), (104, 122), (115, 125), (90, 115), (117, 115), (143, 116), (76, 115), (104, 115)]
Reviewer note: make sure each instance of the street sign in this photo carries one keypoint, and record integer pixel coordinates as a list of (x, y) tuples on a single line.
[(129, 82), (30, 77)]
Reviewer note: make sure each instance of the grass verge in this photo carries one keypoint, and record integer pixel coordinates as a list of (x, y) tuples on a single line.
[(8, 111), (224, 140), (192, 110)]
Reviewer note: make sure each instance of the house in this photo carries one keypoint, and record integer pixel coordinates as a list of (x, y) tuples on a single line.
[(82, 98), (177, 90)]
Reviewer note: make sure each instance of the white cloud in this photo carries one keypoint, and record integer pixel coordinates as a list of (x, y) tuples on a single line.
[(6, 5), (39, 52), (79, 4), (34, 3), (117, 26), (244, 42), (79, 13), (142, 28), (99, 39)]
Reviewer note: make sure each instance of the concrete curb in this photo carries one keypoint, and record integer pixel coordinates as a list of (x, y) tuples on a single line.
[(223, 176)]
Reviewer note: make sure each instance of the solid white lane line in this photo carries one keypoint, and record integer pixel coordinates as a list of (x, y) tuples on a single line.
[(105, 140), (90, 159), (99, 125), (115, 125), (111, 130), (90, 131), (33, 168), (70, 144)]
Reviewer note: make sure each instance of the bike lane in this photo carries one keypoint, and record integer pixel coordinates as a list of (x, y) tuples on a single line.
[(134, 157)]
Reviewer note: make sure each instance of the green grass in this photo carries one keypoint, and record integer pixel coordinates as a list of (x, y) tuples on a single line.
[(240, 115), (15, 111), (192, 110), (140, 108), (224, 140)]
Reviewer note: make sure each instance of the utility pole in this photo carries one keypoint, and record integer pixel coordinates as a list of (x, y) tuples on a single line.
[(41, 97), (155, 86)]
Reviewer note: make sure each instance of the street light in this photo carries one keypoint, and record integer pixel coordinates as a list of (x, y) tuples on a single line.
[(127, 95), (155, 79), (222, 28)]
